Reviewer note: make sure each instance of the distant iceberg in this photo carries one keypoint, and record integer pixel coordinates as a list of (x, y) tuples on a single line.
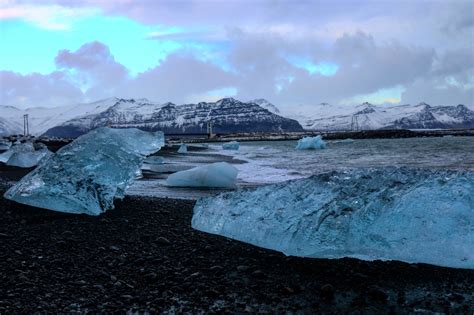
[(233, 145), (215, 175), (416, 216), (345, 141), (86, 175), (311, 143), (183, 148)]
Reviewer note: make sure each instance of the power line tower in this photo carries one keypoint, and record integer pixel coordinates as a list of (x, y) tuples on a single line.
[(355, 123), (26, 129), (209, 129)]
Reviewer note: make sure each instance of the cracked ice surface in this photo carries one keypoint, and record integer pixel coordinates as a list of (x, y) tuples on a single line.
[(86, 175), (416, 216)]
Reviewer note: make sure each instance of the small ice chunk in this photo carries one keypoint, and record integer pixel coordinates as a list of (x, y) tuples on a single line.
[(5, 145), (215, 175), (27, 158), (183, 148), (417, 216), (311, 143), (20, 147), (233, 145), (345, 141), (154, 160), (86, 175)]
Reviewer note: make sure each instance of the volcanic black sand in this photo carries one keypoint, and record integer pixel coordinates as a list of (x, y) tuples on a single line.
[(144, 256)]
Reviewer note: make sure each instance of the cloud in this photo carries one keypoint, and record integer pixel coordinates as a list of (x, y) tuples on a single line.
[(93, 68), (363, 67), (179, 78), (363, 48), (50, 17), (37, 90)]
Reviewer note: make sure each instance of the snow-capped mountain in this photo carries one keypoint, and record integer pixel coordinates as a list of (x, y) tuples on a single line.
[(266, 104), (367, 116), (227, 115), (40, 119), (9, 128)]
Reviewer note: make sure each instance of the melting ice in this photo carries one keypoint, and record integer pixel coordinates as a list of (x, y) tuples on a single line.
[(311, 143), (86, 175), (233, 145), (215, 175), (24, 155), (183, 148), (417, 216)]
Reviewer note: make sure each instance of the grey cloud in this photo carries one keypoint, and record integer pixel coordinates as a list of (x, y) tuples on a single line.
[(37, 90), (94, 67), (436, 91), (177, 78)]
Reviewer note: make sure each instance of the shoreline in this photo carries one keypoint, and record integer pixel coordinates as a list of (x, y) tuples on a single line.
[(176, 139), (144, 256)]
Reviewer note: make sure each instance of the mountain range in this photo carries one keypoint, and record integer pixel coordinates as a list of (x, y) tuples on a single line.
[(228, 116), (367, 116)]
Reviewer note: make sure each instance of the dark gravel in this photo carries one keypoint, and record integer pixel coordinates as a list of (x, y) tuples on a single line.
[(144, 256)]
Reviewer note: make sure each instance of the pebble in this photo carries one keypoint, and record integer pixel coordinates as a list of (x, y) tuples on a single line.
[(327, 292), (163, 241)]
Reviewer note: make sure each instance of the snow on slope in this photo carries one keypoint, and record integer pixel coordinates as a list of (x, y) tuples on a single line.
[(267, 105), (42, 119), (227, 115), (9, 128), (367, 116)]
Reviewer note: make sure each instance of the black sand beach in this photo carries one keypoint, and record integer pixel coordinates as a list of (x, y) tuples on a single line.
[(144, 256)]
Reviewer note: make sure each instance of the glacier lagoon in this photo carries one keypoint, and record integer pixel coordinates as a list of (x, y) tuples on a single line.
[(86, 175), (265, 162), (416, 216)]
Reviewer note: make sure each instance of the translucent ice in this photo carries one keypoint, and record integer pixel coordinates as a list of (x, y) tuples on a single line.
[(27, 158), (345, 141), (233, 145), (216, 175), (392, 214), (183, 148), (17, 148), (311, 143), (5, 145), (154, 160), (86, 175)]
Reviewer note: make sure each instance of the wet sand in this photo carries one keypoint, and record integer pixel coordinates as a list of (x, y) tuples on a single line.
[(144, 256)]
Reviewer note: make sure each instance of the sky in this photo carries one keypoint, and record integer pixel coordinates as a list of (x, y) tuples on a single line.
[(294, 53)]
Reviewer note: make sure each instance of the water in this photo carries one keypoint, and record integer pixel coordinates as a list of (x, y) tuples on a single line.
[(276, 161)]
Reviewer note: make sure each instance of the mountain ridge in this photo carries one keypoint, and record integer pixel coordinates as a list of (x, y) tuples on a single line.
[(229, 116)]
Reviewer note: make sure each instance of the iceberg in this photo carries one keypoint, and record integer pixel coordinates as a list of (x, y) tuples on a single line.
[(215, 175), (416, 216), (311, 143), (345, 141), (86, 175), (233, 145), (26, 158), (154, 160), (5, 145), (17, 148), (183, 148)]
